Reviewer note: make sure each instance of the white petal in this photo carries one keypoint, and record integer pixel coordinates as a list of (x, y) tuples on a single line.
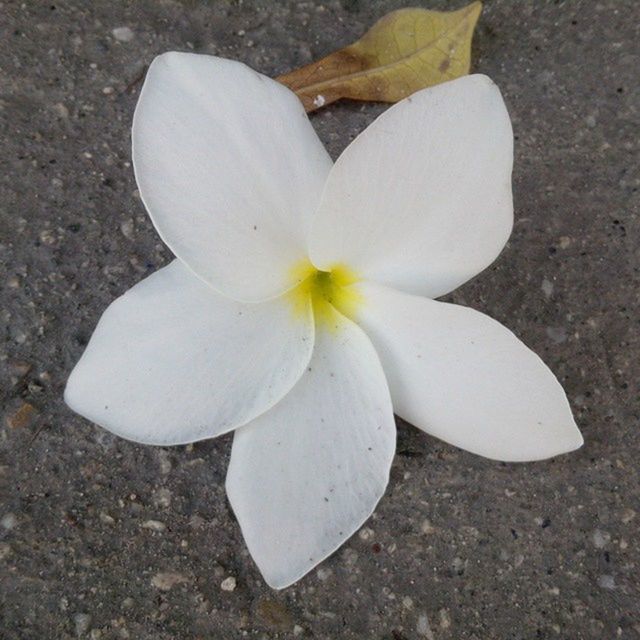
[(421, 200), (305, 475), (230, 170), (171, 361), (463, 377)]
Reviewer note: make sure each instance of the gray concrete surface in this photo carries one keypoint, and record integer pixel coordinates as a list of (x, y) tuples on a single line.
[(103, 539)]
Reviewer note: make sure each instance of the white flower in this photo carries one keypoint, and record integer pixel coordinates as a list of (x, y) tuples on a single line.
[(300, 310)]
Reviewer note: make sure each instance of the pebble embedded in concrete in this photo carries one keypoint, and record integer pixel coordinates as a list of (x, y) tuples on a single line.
[(123, 34), (228, 584)]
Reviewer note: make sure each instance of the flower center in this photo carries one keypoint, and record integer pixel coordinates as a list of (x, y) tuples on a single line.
[(329, 291)]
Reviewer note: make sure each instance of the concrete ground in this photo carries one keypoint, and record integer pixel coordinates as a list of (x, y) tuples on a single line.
[(104, 539)]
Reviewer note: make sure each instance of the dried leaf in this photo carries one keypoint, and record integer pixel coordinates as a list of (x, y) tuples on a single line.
[(405, 51)]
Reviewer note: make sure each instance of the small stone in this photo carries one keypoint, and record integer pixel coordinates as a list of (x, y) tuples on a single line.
[(35, 387), (445, 620), (606, 582), (106, 518), (458, 565), (297, 630), (628, 515), (82, 621), (557, 334), (547, 287), (5, 550), (22, 417), (564, 242), (9, 521), (123, 34), (154, 525), (165, 580), (600, 538), (423, 628), (164, 460), (127, 229), (162, 497), (61, 110), (365, 533), (426, 527), (128, 603), (407, 602), (323, 574), (350, 557), (228, 584), (47, 237)]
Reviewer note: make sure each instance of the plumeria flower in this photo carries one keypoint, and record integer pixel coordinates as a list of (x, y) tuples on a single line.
[(300, 310)]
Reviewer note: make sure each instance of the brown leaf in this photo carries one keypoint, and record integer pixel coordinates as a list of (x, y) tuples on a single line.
[(405, 51)]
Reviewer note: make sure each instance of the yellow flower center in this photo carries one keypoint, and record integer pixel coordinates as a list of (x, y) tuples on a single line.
[(328, 290)]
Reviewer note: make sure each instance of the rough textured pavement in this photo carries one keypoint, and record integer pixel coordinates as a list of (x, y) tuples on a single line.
[(104, 539)]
